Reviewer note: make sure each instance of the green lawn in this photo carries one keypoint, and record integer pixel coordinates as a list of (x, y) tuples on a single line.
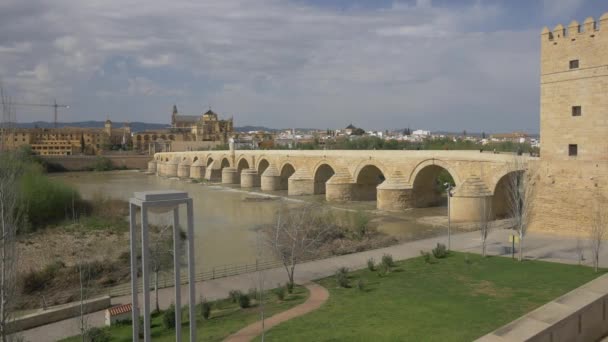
[(450, 300), (226, 318)]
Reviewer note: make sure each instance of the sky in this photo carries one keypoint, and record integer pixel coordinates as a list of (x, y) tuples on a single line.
[(428, 64)]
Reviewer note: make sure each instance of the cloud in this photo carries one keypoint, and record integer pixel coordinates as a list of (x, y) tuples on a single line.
[(560, 8), (271, 62)]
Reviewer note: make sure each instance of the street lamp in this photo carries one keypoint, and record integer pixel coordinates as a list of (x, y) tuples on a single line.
[(161, 202), (448, 188)]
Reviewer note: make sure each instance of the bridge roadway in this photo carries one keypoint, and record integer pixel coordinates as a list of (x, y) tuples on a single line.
[(396, 180)]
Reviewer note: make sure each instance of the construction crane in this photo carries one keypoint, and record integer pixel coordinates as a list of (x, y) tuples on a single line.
[(55, 106)]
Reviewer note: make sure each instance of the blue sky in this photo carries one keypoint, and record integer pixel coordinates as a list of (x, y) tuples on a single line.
[(430, 64)]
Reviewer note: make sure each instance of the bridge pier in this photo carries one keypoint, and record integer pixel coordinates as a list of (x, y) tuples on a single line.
[(152, 166), (301, 183), (197, 170), (469, 201), (213, 173), (183, 169), (339, 188), (250, 178), (271, 179), (230, 175), (394, 194), (171, 168)]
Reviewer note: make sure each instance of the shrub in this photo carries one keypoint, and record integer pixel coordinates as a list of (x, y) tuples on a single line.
[(387, 260), (205, 308), (371, 264), (426, 256), (102, 164), (34, 281), (440, 251), (46, 201), (95, 334), (383, 269), (244, 301), (169, 317), (361, 285), (234, 295), (253, 293), (361, 224), (342, 277), (280, 292), (289, 287)]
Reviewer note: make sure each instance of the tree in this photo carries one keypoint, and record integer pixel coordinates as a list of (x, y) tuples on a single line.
[(12, 217), (296, 235), (161, 256), (598, 233), (520, 191), (485, 223)]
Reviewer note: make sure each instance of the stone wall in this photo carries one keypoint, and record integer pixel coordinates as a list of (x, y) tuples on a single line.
[(80, 163)]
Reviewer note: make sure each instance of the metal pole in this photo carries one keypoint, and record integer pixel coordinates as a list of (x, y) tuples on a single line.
[(449, 217), (191, 275), (177, 282), (133, 247), (145, 271)]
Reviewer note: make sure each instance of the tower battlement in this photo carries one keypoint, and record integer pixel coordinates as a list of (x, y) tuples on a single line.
[(590, 28)]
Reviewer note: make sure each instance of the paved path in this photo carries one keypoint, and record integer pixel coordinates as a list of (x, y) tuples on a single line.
[(538, 246), (318, 296)]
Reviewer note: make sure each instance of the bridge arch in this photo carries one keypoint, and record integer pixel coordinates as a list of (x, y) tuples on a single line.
[(428, 185), (242, 164), (209, 161), (225, 163), (502, 198), (322, 172), (367, 178), (263, 164), (287, 170)]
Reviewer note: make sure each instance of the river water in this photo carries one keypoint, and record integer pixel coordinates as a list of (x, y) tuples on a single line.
[(225, 218)]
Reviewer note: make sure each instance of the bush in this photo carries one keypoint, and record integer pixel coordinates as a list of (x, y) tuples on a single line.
[(440, 251), (371, 264), (235, 295), (97, 335), (361, 284), (205, 308), (102, 164), (169, 317), (253, 293), (426, 256), (289, 287), (342, 277), (46, 201), (34, 281), (280, 292), (387, 260), (244, 301), (361, 224)]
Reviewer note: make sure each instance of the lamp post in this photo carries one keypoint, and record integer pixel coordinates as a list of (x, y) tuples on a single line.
[(448, 188), (161, 202)]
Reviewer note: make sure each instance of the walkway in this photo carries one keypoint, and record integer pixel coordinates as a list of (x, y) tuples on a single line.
[(318, 296), (538, 246)]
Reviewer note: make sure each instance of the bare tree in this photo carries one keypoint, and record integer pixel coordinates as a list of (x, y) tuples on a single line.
[(580, 249), (485, 223), (598, 233), (520, 191), (161, 256), (296, 235), (11, 218)]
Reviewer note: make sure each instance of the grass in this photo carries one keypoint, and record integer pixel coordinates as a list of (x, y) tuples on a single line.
[(458, 298), (226, 318)]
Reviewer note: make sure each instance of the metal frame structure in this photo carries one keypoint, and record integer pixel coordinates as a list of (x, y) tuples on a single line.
[(161, 201)]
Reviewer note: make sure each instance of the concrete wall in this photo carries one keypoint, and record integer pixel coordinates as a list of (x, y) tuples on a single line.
[(580, 315), (80, 163), (58, 313)]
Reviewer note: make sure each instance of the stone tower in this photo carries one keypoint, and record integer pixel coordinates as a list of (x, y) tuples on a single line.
[(572, 174), (574, 91), (108, 127)]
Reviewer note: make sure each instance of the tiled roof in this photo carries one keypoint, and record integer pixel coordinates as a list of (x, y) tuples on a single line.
[(120, 309)]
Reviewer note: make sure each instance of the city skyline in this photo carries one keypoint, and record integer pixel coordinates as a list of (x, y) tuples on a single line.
[(438, 65)]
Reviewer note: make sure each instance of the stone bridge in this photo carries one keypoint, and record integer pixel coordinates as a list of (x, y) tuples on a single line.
[(396, 180)]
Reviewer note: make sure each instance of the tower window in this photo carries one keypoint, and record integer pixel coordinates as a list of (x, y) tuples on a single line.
[(573, 150), (574, 64), (577, 111)]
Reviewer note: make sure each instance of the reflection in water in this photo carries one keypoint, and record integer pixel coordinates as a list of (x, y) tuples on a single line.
[(225, 219)]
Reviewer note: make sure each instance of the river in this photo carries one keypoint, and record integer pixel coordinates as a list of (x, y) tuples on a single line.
[(225, 218)]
